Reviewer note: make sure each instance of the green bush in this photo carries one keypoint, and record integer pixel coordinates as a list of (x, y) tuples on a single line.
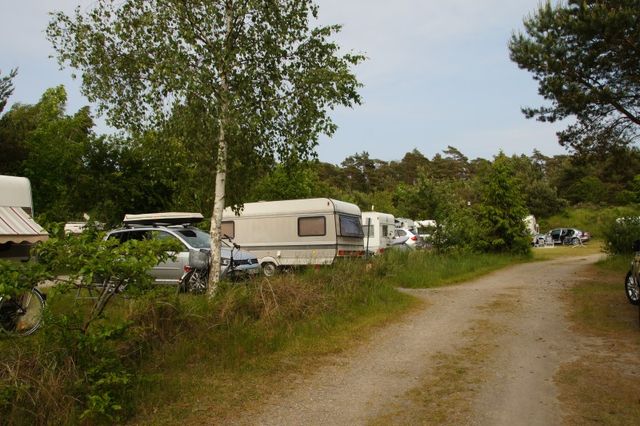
[(620, 234)]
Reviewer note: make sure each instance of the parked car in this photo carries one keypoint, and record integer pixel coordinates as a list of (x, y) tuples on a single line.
[(569, 236), (179, 226), (632, 280), (540, 240), (407, 237)]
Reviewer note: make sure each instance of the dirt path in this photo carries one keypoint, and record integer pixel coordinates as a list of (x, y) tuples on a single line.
[(513, 323)]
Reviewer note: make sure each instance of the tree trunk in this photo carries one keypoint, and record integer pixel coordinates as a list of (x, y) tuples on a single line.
[(218, 207), (221, 164)]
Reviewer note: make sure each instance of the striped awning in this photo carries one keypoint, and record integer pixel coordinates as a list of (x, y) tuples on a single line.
[(18, 227)]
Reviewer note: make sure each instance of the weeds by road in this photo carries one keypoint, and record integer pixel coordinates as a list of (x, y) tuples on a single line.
[(602, 386)]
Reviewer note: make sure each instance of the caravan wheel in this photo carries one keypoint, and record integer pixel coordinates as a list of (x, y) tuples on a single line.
[(269, 269)]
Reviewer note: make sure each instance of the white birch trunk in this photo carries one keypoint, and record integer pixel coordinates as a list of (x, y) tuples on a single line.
[(215, 231)]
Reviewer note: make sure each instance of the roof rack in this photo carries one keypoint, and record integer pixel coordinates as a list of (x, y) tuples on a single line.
[(162, 219)]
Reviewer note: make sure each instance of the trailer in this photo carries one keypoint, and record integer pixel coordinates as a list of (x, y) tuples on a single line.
[(379, 230), (18, 230), (283, 233)]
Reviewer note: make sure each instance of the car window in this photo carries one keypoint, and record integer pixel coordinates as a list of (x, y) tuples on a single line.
[(400, 232), (164, 235), (130, 235), (195, 237)]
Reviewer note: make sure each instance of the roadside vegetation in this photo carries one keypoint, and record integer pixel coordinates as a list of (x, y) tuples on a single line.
[(157, 356), (603, 386)]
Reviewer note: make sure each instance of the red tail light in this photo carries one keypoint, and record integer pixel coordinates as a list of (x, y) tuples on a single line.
[(414, 238)]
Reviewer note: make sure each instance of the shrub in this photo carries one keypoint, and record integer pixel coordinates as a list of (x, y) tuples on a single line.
[(620, 234)]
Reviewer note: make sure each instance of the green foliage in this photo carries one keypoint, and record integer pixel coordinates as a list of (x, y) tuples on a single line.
[(584, 55), (289, 182), (16, 277), (502, 211), (620, 234), (594, 219), (6, 87)]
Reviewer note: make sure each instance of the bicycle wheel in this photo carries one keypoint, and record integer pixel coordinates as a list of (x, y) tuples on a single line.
[(22, 315)]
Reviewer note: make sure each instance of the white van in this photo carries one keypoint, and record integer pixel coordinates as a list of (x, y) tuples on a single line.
[(296, 232), (18, 230), (379, 230)]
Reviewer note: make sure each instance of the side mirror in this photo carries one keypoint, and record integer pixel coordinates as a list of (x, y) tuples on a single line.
[(636, 245)]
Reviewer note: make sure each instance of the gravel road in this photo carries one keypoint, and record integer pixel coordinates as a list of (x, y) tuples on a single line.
[(517, 312)]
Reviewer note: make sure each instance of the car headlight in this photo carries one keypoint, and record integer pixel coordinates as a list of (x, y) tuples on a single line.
[(225, 262)]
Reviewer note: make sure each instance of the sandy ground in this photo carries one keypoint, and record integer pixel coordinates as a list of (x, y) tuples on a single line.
[(523, 303)]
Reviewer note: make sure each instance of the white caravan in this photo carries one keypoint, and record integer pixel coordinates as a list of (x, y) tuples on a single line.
[(379, 230), (18, 230), (296, 232)]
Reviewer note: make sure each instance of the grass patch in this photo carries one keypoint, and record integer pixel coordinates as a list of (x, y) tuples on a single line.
[(550, 253), (423, 269), (603, 386)]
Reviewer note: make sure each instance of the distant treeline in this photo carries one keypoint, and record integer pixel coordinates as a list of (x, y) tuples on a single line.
[(75, 171)]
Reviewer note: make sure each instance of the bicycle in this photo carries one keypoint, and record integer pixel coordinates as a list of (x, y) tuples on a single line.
[(196, 276), (21, 315)]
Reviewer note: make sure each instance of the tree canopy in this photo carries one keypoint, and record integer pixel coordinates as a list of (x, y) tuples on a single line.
[(255, 72), (585, 56), (6, 87)]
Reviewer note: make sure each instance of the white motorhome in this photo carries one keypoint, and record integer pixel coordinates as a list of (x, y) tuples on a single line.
[(296, 232), (18, 230), (379, 230)]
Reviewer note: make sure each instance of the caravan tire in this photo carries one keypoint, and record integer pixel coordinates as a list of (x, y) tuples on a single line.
[(269, 269)]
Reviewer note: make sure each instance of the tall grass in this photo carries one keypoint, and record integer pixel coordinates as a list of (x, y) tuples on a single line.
[(422, 269), (184, 352)]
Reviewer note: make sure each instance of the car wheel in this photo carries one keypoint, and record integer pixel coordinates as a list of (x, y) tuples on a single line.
[(632, 289), (269, 269), (195, 282), (575, 241)]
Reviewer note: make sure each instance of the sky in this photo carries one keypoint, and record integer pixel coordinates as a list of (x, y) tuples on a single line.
[(437, 74)]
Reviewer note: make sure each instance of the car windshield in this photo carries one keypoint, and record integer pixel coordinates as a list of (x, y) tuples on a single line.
[(195, 237)]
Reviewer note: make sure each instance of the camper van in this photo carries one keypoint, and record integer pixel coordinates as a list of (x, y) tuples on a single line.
[(296, 232), (18, 230), (379, 230)]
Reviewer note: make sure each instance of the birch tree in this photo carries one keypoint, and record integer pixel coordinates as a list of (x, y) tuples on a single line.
[(260, 69)]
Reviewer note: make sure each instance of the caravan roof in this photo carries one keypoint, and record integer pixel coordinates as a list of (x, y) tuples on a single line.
[(309, 205), (15, 192)]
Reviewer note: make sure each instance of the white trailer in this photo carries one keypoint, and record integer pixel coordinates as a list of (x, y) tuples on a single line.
[(18, 230), (312, 231), (379, 230)]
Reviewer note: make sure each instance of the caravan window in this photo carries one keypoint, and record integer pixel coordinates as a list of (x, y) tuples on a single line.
[(312, 226), (350, 226), (368, 230), (229, 228)]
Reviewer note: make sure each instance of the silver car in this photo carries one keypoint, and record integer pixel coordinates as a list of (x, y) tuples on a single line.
[(192, 239)]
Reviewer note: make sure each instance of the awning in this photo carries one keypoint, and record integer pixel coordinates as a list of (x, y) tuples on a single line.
[(18, 227)]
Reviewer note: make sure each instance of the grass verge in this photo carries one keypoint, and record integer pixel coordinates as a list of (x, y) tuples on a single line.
[(192, 360), (550, 253), (421, 269), (603, 386)]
